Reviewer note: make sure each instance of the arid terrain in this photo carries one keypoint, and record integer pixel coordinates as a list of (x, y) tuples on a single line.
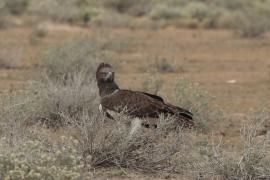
[(50, 126), (211, 58)]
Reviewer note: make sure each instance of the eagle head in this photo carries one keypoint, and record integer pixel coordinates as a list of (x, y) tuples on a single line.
[(105, 73)]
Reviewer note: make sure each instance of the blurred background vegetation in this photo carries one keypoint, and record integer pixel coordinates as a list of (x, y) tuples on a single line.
[(248, 18)]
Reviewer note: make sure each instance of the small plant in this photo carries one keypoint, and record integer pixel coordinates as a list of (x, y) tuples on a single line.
[(163, 66), (40, 31)]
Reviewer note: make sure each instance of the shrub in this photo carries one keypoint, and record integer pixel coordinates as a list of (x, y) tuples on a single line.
[(112, 19), (11, 58), (165, 12), (16, 7), (132, 7), (227, 19), (67, 84), (59, 10), (4, 22), (163, 66), (191, 97), (231, 5), (123, 143), (196, 10), (252, 163), (52, 100), (252, 24), (64, 61), (39, 31)]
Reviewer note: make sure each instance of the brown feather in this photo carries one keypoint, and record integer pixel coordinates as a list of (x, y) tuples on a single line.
[(137, 104)]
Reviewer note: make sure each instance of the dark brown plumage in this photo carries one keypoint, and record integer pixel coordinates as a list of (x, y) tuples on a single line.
[(134, 103)]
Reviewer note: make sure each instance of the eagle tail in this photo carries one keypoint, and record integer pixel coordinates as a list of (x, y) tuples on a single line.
[(183, 115)]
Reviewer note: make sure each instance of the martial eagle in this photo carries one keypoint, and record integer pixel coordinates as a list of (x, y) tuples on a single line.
[(134, 103)]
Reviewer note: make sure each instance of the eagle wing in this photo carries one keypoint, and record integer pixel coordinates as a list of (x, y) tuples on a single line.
[(142, 105)]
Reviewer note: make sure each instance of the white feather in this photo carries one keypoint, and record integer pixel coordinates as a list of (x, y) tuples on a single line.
[(100, 108), (135, 127)]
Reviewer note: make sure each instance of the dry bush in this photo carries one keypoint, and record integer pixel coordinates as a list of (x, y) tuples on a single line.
[(67, 84), (163, 65), (200, 103), (31, 153), (251, 24), (39, 31), (112, 19), (132, 7), (165, 12), (4, 21), (63, 61), (82, 54), (231, 5), (40, 157), (251, 163), (124, 143), (11, 57), (16, 7), (196, 10), (51, 100), (60, 10)]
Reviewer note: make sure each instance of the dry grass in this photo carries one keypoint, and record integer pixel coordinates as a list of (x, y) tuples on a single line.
[(253, 160)]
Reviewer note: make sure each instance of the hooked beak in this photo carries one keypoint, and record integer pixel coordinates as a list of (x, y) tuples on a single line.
[(109, 76)]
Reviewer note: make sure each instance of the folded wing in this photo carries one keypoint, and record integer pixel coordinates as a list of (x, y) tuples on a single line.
[(144, 105)]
